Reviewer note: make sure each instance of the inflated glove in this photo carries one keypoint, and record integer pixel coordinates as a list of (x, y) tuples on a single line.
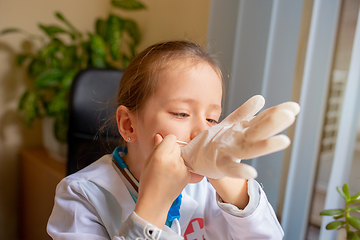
[(217, 151)]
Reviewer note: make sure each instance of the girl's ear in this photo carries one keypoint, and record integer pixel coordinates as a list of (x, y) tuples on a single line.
[(125, 120)]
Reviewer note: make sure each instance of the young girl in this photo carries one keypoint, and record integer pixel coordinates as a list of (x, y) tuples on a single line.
[(169, 93)]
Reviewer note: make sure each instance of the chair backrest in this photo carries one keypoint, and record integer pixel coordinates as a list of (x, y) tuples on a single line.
[(92, 102)]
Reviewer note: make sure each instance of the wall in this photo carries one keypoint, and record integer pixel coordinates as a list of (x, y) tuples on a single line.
[(163, 20), (172, 20)]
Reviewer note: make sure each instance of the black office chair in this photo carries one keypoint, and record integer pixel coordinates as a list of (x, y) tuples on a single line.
[(92, 103)]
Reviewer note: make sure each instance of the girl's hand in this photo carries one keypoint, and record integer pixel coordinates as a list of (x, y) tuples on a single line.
[(163, 177), (216, 152)]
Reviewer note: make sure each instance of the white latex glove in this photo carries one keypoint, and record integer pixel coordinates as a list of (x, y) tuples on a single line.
[(217, 151)]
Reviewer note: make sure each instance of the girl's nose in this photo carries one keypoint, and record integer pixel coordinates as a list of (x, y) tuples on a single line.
[(198, 127)]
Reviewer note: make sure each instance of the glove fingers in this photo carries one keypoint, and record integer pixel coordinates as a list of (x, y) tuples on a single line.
[(293, 107), (269, 126), (246, 111), (260, 148), (238, 170)]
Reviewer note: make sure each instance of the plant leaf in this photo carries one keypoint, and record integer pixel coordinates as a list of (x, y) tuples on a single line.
[(58, 42), (356, 196), (52, 30), (101, 26), (334, 225), (125, 61), (70, 59), (68, 79), (98, 51), (50, 49), (132, 50), (55, 63), (132, 29), (57, 104), (332, 212), (36, 67), (97, 62), (114, 35), (346, 191), (49, 78), (97, 45), (354, 221), (17, 30), (339, 216), (355, 208), (28, 106), (61, 126), (354, 201), (84, 54), (10, 30), (128, 4), (61, 17), (64, 20), (21, 58), (352, 236), (341, 192), (22, 100)]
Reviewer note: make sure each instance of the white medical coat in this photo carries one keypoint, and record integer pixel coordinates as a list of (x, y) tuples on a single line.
[(95, 204)]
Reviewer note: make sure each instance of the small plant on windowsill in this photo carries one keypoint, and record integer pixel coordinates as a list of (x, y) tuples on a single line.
[(53, 61), (342, 217)]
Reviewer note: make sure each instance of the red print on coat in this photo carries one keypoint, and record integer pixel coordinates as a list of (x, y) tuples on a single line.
[(195, 230)]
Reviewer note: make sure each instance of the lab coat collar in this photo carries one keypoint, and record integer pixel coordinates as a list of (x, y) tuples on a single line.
[(113, 183), (109, 176)]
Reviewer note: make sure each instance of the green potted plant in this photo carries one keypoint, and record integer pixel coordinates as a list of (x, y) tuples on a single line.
[(342, 217), (55, 59)]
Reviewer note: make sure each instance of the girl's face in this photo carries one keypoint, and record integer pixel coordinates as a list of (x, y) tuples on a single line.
[(186, 102)]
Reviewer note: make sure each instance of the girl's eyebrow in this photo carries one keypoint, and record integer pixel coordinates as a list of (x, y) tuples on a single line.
[(216, 106), (191, 101)]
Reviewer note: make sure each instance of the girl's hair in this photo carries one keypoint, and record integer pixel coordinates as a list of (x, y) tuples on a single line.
[(140, 78)]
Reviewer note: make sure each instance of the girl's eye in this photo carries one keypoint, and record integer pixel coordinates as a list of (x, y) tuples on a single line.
[(212, 121), (180, 115)]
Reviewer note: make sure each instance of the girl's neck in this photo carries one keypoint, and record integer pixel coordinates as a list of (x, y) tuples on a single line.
[(134, 160)]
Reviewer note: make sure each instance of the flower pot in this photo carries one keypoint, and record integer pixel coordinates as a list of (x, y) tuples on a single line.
[(56, 149)]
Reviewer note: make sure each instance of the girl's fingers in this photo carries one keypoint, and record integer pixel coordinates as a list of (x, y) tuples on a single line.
[(269, 126), (158, 139), (246, 111), (167, 144)]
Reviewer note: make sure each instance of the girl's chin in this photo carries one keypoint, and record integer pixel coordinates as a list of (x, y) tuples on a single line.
[(195, 178)]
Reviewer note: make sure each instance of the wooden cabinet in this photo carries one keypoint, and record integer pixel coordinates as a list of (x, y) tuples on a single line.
[(39, 175)]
